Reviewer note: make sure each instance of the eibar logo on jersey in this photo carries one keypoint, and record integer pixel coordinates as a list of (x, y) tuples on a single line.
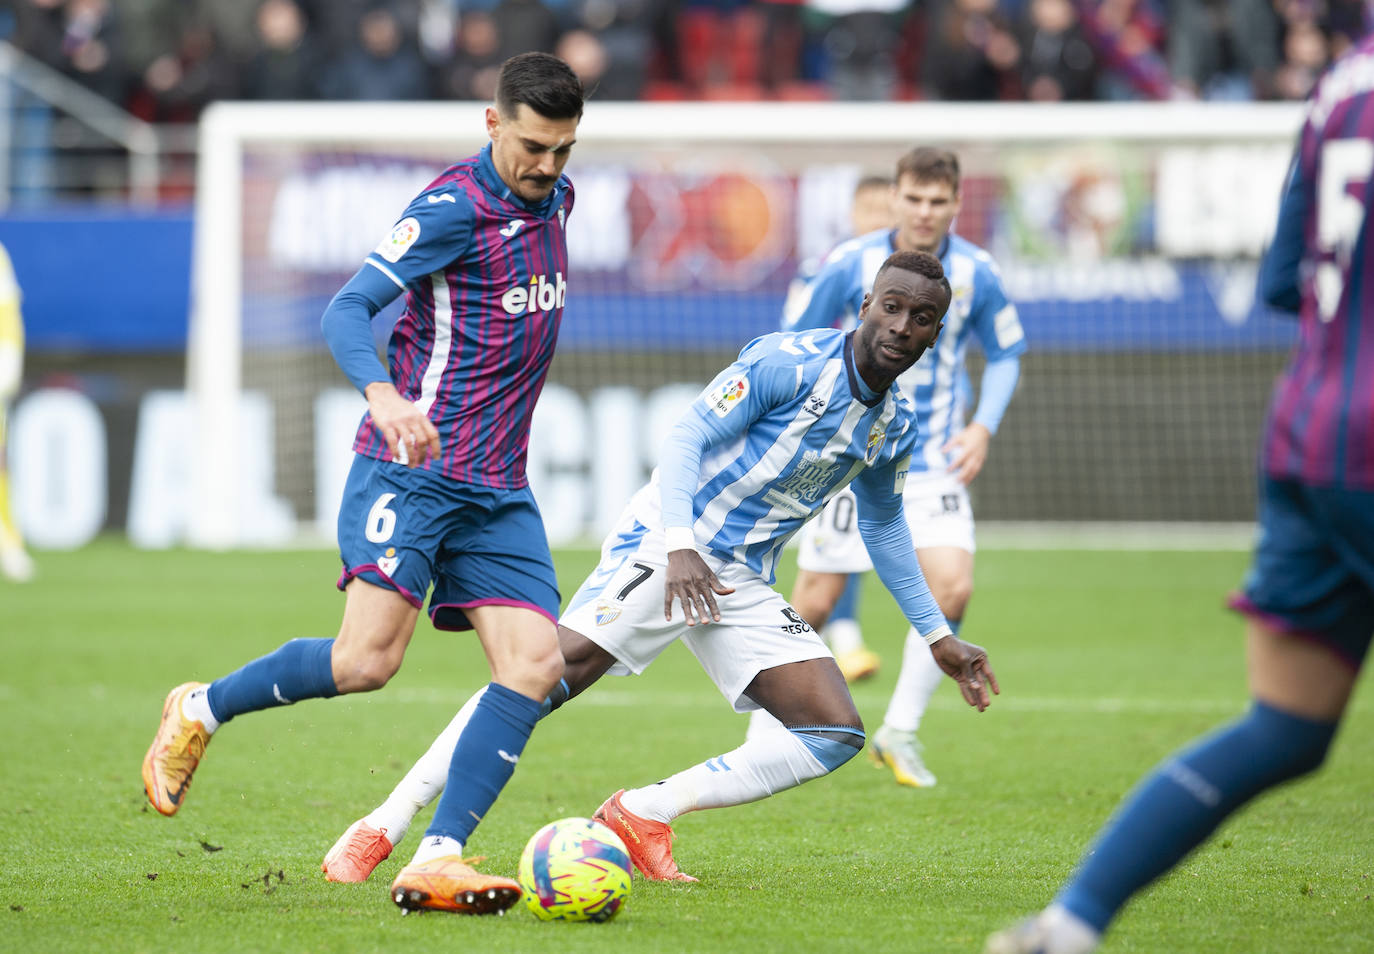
[(815, 404), (799, 492), (606, 613), (727, 397), (402, 237), (514, 226), (441, 197), (539, 295), (877, 437), (388, 563)]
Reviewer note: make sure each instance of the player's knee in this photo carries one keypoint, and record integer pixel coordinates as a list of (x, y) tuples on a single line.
[(364, 672), (832, 746), (952, 593), (1294, 746)]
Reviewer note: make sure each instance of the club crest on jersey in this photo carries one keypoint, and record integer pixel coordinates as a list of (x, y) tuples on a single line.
[(726, 398), (562, 219), (877, 437), (815, 404), (388, 563), (606, 613), (402, 237)]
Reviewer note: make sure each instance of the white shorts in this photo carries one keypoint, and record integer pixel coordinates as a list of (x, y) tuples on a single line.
[(937, 510), (620, 608)]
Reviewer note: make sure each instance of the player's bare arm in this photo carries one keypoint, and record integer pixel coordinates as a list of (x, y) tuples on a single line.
[(967, 665), (968, 451), (691, 581), (402, 424)]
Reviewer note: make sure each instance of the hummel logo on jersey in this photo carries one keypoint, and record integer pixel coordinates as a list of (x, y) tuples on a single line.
[(510, 230), (539, 294), (512, 759), (815, 404), (442, 197)]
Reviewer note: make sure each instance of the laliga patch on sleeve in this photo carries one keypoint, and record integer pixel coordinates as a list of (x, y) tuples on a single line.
[(899, 481), (728, 395), (402, 237)]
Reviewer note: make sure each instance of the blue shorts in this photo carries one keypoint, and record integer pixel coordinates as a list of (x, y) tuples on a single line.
[(405, 529), (1313, 568)]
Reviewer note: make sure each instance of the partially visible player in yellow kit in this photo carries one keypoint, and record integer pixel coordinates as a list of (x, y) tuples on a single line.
[(14, 560)]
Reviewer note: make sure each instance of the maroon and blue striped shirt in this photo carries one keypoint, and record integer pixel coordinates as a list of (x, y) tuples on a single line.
[(1321, 421), (486, 276)]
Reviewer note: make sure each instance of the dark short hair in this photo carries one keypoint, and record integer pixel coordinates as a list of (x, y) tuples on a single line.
[(542, 82), (928, 164), (919, 263)]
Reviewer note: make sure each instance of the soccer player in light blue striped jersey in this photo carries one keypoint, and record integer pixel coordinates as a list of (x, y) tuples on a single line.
[(952, 450), (796, 419), (437, 495)]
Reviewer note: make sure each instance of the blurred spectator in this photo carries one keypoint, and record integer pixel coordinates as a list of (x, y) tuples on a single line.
[(860, 44), (1224, 49), (476, 63), (384, 63), (582, 51), (1128, 36), (286, 64), (525, 26), (91, 48), (1305, 55), (1057, 62), (178, 85), (1344, 22), (970, 53), (624, 30)]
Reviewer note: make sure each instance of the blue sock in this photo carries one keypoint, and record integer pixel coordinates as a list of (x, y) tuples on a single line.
[(298, 670), (1183, 801), (483, 760), (848, 604)]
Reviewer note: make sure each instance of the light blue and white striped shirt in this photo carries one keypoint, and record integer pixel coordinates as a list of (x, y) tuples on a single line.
[(771, 440)]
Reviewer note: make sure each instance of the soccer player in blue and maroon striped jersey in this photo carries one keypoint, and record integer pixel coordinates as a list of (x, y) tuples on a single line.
[(1309, 595), (437, 494)]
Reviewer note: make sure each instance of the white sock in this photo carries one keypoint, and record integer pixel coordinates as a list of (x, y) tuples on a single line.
[(424, 782), (436, 846), (195, 705), (916, 683), (760, 767), (1066, 932), (761, 722), (843, 636)]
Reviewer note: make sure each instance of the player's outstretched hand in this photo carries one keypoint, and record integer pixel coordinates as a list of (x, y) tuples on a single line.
[(410, 436), (968, 452), (690, 580), (967, 665)]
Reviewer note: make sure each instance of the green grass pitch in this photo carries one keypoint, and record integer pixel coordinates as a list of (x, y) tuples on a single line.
[(1108, 661)]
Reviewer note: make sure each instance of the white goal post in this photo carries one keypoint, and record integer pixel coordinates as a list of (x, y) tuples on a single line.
[(1127, 233)]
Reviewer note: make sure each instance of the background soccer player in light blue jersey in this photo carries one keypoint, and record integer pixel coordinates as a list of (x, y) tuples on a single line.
[(1309, 595), (926, 201), (779, 432), (437, 495)]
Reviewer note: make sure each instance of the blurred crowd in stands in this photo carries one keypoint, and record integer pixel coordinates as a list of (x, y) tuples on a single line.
[(165, 59)]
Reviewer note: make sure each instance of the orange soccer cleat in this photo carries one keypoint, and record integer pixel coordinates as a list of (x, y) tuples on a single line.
[(356, 854), (650, 843), (177, 749), (451, 884)]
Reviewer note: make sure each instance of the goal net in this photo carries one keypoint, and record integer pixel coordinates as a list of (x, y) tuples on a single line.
[(1127, 234)]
